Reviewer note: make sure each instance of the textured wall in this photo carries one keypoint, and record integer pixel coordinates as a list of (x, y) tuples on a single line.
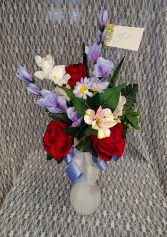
[(58, 27)]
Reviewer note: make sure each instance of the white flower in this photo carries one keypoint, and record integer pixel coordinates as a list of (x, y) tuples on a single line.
[(120, 106), (59, 76), (102, 120), (98, 85), (46, 64), (81, 89), (60, 91)]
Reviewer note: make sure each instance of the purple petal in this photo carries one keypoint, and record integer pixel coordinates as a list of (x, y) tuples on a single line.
[(24, 73), (77, 123), (55, 110), (102, 68), (103, 35), (62, 102), (98, 36), (20, 77), (44, 92), (94, 52), (33, 89), (40, 102), (72, 114), (103, 18), (49, 101)]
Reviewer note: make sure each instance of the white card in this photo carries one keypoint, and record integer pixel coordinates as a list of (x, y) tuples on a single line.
[(123, 37)]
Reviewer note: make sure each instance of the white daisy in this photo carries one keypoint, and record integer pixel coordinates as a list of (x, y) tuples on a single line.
[(81, 89), (98, 85)]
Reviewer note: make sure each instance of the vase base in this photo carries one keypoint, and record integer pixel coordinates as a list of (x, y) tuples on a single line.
[(85, 199)]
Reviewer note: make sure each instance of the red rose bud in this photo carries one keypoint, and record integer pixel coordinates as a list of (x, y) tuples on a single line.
[(76, 71), (111, 146), (56, 142)]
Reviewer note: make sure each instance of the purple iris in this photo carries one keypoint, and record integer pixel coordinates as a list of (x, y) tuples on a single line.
[(99, 36), (33, 89), (23, 74), (102, 68), (103, 18), (103, 35), (73, 115), (93, 52), (54, 104)]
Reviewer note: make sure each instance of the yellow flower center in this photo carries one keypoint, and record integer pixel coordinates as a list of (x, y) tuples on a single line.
[(83, 89), (96, 88), (54, 77)]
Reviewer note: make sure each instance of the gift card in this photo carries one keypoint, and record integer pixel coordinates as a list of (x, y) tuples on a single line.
[(123, 37)]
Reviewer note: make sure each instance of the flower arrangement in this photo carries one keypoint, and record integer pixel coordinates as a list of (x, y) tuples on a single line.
[(85, 105)]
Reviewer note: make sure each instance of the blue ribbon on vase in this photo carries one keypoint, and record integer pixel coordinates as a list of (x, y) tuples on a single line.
[(74, 173)]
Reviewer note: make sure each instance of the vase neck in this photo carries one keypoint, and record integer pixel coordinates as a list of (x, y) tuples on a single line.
[(91, 170)]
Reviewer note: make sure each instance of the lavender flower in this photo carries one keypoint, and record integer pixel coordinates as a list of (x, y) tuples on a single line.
[(73, 115), (93, 52), (99, 37), (52, 102), (103, 35), (62, 103), (23, 75), (103, 18), (33, 89), (102, 68)]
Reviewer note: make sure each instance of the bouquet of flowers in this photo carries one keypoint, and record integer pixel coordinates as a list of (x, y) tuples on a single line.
[(89, 112)]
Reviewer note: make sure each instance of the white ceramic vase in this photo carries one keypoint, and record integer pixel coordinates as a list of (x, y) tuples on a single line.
[(85, 195)]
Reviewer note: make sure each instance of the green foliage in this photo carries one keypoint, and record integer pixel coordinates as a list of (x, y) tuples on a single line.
[(130, 93), (85, 145), (85, 59), (110, 97), (49, 157), (80, 134), (131, 118), (60, 117), (90, 131), (116, 73), (72, 131), (78, 103)]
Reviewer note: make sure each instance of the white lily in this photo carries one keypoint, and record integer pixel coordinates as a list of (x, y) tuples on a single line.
[(46, 64), (118, 111), (59, 75), (102, 120), (60, 91)]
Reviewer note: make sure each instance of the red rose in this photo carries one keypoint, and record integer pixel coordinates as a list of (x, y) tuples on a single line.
[(56, 141), (76, 71), (110, 146)]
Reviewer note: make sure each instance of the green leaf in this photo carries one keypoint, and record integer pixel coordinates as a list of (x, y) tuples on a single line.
[(59, 117), (49, 157), (125, 128), (78, 103), (93, 102), (110, 97), (85, 59), (72, 131), (90, 131), (130, 93), (85, 145), (131, 117), (116, 73), (80, 134)]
